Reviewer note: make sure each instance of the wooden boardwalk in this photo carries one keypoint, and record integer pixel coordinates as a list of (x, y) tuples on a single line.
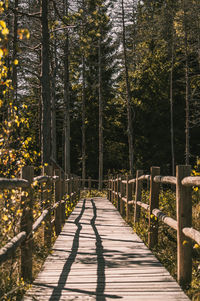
[(98, 257)]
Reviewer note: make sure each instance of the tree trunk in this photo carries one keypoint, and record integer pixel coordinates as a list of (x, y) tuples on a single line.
[(171, 107), (100, 118), (187, 130), (187, 134), (53, 107), (45, 87), (67, 107), (14, 72), (128, 94), (83, 124)]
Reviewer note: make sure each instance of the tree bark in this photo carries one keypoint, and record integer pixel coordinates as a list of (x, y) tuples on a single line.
[(187, 108), (128, 94), (171, 107), (53, 106), (45, 87), (14, 72), (67, 103), (83, 124), (100, 118)]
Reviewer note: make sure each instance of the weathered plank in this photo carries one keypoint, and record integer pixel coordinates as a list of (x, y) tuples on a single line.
[(98, 257)]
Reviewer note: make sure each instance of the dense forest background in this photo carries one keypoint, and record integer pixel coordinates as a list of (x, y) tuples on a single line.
[(99, 86)]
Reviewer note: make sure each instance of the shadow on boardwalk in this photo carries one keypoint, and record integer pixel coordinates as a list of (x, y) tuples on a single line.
[(100, 288)]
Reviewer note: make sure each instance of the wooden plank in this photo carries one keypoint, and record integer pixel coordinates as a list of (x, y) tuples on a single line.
[(98, 257)]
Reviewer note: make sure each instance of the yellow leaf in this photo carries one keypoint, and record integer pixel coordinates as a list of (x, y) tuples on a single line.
[(2, 23), (5, 31), (5, 51), (28, 34), (1, 102), (5, 218), (1, 53), (196, 246), (24, 106), (15, 62)]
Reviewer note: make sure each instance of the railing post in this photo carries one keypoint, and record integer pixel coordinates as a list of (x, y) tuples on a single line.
[(48, 202), (118, 191), (63, 202), (184, 219), (75, 187), (70, 189), (90, 184), (58, 213), (154, 203), (138, 191), (108, 187), (112, 187), (79, 187), (129, 197), (26, 225), (122, 195)]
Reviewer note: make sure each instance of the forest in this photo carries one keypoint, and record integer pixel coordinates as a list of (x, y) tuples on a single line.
[(96, 87), (99, 86)]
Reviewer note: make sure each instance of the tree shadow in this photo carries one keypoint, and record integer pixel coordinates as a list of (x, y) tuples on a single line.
[(56, 294), (100, 258), (100, 288)]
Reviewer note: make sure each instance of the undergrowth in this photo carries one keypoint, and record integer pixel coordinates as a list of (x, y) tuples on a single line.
[(93, 193), (166, 249), (12, 286)]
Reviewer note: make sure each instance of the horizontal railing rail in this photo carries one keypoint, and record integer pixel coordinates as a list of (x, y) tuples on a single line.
[(87, 183), (126, 192), (64, 188)]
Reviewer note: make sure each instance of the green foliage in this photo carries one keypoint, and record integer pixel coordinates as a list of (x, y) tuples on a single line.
[(166, 251), (93, 193)]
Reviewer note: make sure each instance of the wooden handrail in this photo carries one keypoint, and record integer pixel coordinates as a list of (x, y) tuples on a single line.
[(192, 233), (12, 245), (13, 183), (23, 238), (144, 177), (165, 180), (166, 219), (191, 181), (182, 225)]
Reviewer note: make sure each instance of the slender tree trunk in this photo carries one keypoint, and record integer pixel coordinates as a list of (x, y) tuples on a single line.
[(67, 107), (14, 72), (187, 129), (187, 108), (171, 107), (128, 94), (83, 124), (53, 107), (100, 118), (45, 87)]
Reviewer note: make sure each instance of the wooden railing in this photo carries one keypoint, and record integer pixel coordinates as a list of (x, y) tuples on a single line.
[(53, 214), (126, 192), (87, 183)]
